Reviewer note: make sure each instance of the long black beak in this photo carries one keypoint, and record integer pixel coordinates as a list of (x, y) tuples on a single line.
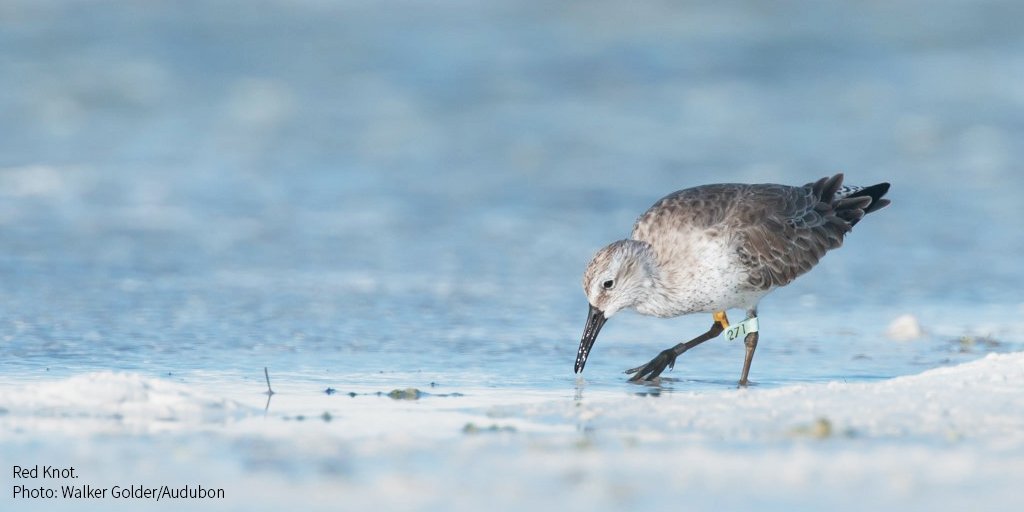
[(595, 320)]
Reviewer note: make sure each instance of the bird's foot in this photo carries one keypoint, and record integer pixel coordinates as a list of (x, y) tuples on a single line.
[(651, 370)]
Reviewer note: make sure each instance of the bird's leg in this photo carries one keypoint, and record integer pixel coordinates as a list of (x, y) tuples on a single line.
[(667, 357), (751, 343)]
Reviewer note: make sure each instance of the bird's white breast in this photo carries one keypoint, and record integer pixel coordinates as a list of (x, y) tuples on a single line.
[(699, 271)]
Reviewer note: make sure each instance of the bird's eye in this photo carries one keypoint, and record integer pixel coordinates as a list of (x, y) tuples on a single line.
[(607, 285)]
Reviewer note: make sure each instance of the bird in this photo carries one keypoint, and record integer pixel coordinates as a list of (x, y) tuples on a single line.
[(711, 248)]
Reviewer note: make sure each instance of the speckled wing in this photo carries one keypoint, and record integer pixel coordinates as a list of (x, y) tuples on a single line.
[(703, 207), (781, 232)]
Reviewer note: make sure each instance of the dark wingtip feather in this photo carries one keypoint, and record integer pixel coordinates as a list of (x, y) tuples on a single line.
[(855, 206), (878, 205), (875, 192)]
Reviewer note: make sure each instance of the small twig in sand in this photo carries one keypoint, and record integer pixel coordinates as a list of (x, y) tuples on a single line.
[(269, 393), (267, 375)]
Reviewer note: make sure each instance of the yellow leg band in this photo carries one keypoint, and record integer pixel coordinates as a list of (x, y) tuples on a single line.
[(722, 319)]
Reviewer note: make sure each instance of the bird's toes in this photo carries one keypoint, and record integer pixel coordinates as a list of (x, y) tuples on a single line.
[(656, 371), (651, 370), (642, 373), (657, 366)]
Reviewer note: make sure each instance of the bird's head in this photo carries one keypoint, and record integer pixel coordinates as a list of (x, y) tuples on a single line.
[(620, 276)]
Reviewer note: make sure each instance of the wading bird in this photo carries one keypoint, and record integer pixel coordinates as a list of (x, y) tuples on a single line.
[(711, 248)]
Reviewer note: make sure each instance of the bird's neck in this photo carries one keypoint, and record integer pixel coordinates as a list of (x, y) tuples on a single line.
[(658, 304), (658, 293)]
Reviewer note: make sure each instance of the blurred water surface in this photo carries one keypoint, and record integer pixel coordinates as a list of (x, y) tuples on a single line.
[(368, 196), (349, 188)]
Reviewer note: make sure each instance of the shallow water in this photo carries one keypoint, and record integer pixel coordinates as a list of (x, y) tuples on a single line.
[(368, 197)]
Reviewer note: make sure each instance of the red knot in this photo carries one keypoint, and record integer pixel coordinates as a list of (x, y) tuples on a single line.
[(711, 248)]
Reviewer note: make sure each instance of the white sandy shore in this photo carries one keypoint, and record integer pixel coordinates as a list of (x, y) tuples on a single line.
[(950, 439)]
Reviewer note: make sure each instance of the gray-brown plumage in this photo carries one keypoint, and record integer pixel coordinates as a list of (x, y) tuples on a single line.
[(718, 247)]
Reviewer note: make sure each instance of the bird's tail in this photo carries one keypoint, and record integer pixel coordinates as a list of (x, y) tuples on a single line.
[(851, 203)]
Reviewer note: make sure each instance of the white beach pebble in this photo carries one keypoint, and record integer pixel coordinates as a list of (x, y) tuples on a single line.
[(904, 328)]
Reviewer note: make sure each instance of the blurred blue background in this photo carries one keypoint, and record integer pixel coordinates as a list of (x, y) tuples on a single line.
[(367, 186)]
